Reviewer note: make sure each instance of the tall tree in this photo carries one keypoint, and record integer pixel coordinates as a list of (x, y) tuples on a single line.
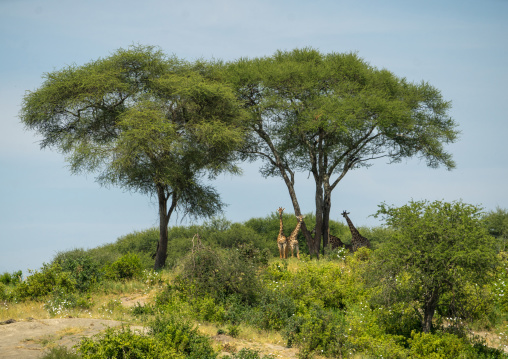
[(145, 122), (328, 114), (436, 251)]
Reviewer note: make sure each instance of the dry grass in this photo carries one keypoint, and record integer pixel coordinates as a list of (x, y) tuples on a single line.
[(23, 310)]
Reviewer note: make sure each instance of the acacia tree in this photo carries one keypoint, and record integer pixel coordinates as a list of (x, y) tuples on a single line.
[(328, 114), (437, 250), (144, 122)]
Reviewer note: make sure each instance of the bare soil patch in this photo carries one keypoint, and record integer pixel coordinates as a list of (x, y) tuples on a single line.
[(28, 339)]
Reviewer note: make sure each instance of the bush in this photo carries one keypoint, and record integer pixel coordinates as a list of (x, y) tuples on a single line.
[(82, 267), (219, 273), (125, 344), (437, 346), (60, 352), (181, 337), (4, 295), (320, 331), (40, 284), (126, 267), (246, 353), (274, 310), (11, 278)]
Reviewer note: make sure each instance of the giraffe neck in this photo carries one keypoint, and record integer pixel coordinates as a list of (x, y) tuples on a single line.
[(281, 231), (295, 232), (352, 228)]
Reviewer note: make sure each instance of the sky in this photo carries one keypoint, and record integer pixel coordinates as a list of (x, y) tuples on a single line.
[(459, 47)]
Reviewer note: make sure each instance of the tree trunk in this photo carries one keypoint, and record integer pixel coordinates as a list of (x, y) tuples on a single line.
[(428, 312), (164, 215), (327, 205), (319, 215)]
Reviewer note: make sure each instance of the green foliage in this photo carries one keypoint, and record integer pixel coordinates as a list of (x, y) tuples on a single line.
[(496, 223), (125, 344), (126, 267), (84, 269), (39, 284), (142, 309), (317, 282), (143, 243), (182, 337), (60, 352), (426, 345), (221, 273), (320, 330), (439, 251), (500, 286), (274, 310), (444, 345), (246, 353), (11, 278), (4, 295)]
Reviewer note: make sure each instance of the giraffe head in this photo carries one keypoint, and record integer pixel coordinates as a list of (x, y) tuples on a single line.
[(300, 218), (345, 213), (280, 210)]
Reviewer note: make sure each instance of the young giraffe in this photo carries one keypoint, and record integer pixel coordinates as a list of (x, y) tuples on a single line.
[(334, 242), (292, 241), (281, 238), (358, 240)]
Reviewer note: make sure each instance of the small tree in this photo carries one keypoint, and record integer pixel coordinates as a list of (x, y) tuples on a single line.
[(497, 225), (436, 250), (144, 122)]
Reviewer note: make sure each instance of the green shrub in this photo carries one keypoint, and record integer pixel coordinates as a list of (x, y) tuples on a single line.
[(399, 319), (219, 274), (39, 284), (320, 331), (324, 283), (274, 310), (182, 337), (139, 310), (82, 267), (11, 278), (125, 344), (4, 295), (60, 352), (437, 346), (126, 267), (246, 353)]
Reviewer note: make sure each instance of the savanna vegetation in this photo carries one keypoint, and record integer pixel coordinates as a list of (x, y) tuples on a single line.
[(435, 275), (225, 277)]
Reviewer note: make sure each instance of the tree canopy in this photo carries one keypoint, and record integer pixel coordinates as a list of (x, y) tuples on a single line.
[(328, 114), (437, 253), (145, 122)]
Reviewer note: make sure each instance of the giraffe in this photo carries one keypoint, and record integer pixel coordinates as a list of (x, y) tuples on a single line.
[(334, 242), (358, 240), (281, 238), (292, 240)]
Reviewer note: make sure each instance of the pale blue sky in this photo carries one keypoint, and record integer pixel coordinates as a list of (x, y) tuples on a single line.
[(460, 47)]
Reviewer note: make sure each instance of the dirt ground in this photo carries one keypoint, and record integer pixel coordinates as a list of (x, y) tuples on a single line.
[(28, 339)]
